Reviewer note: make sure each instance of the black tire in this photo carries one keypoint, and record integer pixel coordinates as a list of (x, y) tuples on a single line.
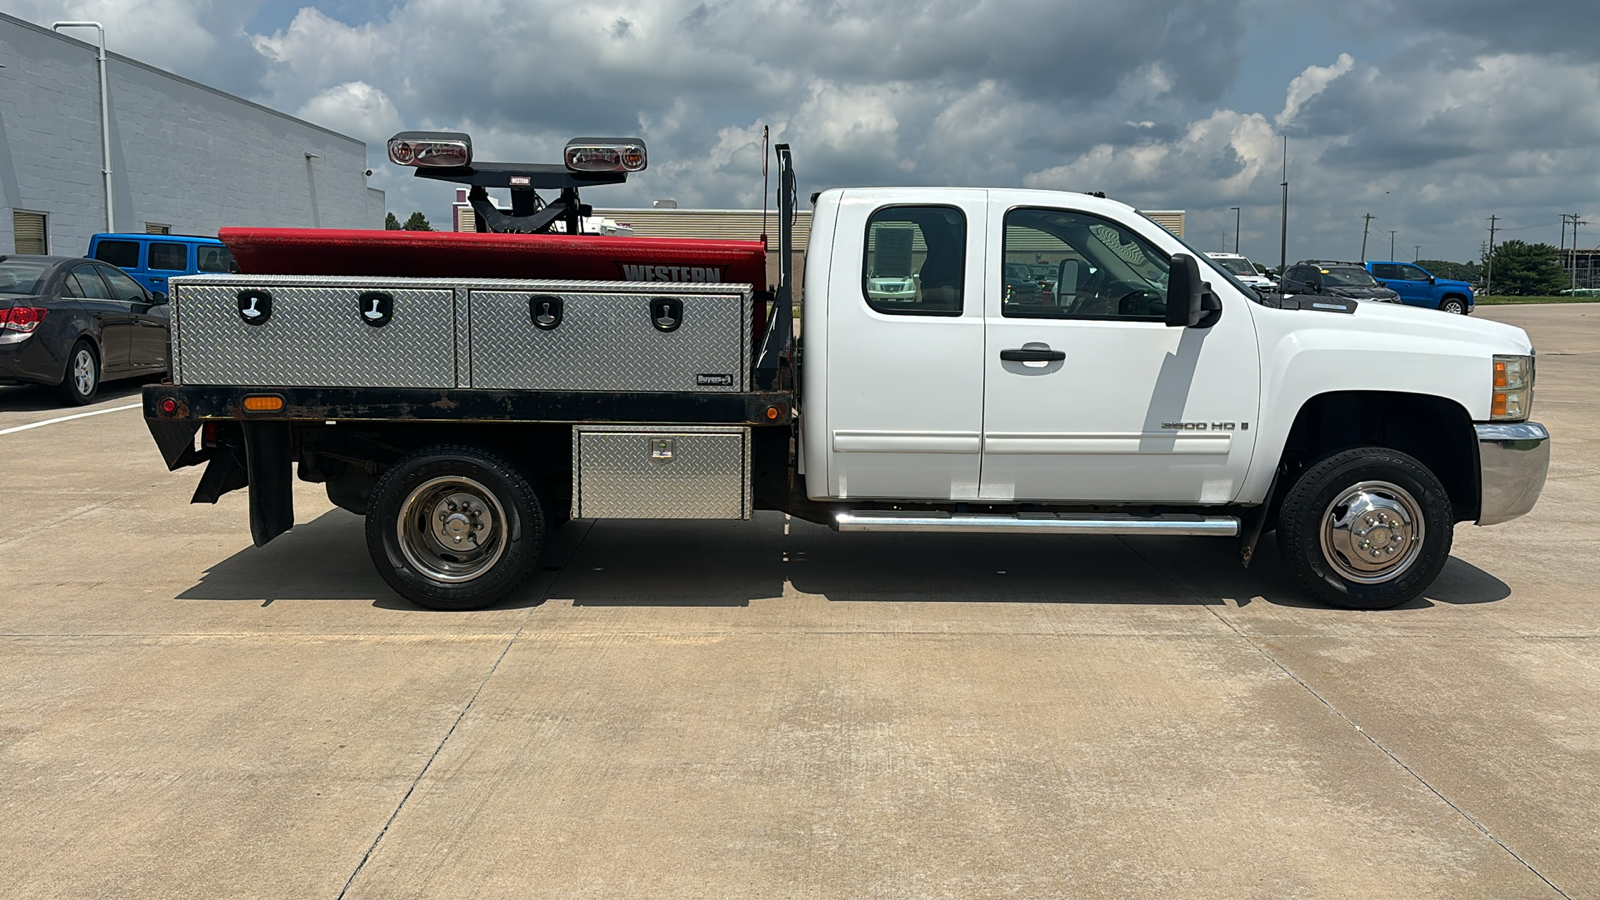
[(485, 527), (82, 379), (1454, 306), (1370, 500)]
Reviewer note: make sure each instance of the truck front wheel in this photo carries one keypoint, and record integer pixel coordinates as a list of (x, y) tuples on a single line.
[(1368, 528), (454, 528)]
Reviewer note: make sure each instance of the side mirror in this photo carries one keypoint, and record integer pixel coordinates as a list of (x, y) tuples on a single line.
[(1186, 294), (158, 297)]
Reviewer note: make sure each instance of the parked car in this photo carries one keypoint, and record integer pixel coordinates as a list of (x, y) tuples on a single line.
[(1337, 279), (1419, 287), (1242, 269), (153, 258), (71, 322), (892, 287), (1581, 292), (1020, 284)]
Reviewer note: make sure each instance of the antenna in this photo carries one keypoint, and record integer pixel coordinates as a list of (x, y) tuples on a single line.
[(764, 185)]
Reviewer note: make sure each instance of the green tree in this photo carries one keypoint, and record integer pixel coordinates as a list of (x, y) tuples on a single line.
[(1526, 270), (1444, 268), (418, 222), (391, 223)]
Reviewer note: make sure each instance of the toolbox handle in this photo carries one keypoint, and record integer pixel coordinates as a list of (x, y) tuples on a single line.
[(666, 313), (544, 310)]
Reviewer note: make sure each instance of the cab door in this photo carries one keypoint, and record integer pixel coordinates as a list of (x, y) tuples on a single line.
[(904, 414), (1090, 396)]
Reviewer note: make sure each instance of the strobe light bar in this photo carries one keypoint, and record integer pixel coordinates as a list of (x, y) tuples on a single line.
[(605, 155), (431, 149)]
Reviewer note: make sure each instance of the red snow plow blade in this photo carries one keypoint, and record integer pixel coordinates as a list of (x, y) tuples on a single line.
[(446, 254)]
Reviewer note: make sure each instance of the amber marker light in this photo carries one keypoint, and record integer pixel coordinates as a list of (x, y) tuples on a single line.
[(258, 403)]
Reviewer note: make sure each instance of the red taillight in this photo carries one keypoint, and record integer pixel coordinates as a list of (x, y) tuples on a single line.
[(169, 406), (21, 318)]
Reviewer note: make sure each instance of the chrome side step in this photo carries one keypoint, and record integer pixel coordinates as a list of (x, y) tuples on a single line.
[(1036, 523)]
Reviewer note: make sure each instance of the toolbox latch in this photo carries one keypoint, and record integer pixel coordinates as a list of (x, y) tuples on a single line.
[(545, 311), (666, 313)]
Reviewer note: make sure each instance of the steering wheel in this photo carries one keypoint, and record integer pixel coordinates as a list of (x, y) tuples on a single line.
[(1142, 302)]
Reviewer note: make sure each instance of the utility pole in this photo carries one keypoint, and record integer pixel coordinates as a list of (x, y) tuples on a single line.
[(1235, 228), (1391, 246), (1283, 245), (1488, 260), (1575, 223), (1369, 217), (1416, 252)]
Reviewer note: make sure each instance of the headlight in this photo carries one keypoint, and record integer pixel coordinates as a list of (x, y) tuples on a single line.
[(1513, 389)]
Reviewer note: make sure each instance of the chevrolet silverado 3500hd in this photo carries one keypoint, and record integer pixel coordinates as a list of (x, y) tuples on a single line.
[(480, 389)]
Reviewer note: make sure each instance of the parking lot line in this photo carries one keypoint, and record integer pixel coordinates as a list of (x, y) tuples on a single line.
[(97, 412)]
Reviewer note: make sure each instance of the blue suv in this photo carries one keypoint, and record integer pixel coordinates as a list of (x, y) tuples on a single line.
[(1419, 287), (153, 258)]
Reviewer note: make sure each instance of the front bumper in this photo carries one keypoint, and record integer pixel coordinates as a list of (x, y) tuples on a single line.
[(1513, 459)]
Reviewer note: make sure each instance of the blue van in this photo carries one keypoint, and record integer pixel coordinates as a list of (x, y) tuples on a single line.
[(153, 258)]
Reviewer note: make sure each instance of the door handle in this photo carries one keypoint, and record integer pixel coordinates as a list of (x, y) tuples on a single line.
[(1033, 354)]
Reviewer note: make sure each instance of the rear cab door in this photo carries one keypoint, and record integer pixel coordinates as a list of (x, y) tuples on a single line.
[(904, 368), (111, 315), (163, 260), (1090, 396)]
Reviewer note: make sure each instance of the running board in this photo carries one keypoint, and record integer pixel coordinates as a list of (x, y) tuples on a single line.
[(1040, 523)]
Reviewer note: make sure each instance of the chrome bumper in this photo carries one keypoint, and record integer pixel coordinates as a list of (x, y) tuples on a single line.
[(1512, 462)]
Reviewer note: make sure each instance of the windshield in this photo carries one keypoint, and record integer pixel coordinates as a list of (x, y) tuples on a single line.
[(1238, 265), (21, 276), (1348, 276)]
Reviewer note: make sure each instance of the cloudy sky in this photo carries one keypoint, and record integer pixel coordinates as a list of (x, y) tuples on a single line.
[(1431, 115)]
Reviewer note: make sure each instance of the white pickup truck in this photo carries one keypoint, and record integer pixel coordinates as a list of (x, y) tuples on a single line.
[(466, 408)]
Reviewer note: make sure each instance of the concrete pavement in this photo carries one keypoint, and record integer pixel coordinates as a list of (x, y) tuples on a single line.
[(772, 709)]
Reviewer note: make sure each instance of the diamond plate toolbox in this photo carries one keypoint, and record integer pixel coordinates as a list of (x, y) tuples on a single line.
[(285, 331), (585, 336), (670, 472)]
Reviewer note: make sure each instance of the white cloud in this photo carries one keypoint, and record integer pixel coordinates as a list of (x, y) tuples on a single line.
[(357, 109), (1308, 84)]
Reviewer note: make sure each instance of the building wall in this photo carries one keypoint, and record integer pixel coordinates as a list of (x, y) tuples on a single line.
[(182, 154)]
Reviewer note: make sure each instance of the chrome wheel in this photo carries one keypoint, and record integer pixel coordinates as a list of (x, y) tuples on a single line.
[(1455, 307), (452, 529), (84, 374), (1372, 532)]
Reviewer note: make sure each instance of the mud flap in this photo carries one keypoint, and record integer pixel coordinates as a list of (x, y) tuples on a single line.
[(176, 442), (269, 454), (1254, 521)]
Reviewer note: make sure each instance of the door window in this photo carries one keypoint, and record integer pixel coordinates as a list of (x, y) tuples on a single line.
[(169, 257), (215, 259), (1069, 265), (915, 260), (1386, 270), (122, 254), (90, 286), (123, 287), (1411, 273)]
